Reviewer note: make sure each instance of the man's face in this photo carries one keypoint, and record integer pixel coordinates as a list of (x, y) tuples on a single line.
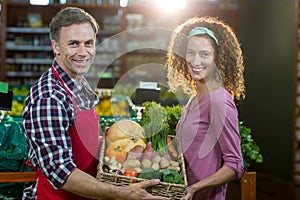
[(75, 50)]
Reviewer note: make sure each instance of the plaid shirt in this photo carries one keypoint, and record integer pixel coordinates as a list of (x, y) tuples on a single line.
[(48, 115)]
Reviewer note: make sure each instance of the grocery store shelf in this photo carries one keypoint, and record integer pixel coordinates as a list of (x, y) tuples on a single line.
[(28, 48), (25, 74), (29, 61), (27, 30)]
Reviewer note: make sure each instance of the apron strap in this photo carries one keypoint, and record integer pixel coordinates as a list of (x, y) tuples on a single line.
[(60, 81), (63, 85)]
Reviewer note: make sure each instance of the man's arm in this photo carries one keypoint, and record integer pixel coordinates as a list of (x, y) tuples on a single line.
[(85, 185)]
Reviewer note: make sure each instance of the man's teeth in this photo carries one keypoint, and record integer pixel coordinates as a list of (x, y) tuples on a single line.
[(80, 61)]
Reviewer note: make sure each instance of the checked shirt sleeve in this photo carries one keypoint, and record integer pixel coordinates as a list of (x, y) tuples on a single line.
[(46, 124)]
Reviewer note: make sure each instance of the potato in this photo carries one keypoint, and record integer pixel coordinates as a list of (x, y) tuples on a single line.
[(156, 159), (133, 164), (164, 163), (146, 163), (155, 166)]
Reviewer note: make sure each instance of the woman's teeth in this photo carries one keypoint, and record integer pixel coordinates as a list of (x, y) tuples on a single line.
[(198, 69)]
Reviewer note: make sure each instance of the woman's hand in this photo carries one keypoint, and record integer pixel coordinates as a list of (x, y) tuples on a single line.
[(189, 193)]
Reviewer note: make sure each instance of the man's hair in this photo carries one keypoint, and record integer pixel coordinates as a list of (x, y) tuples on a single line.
[(67, 17)]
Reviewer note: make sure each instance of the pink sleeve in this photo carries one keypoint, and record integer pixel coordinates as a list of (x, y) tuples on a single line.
[(230, 141)]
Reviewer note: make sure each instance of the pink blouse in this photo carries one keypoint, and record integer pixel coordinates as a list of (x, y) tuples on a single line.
[(209, 136)]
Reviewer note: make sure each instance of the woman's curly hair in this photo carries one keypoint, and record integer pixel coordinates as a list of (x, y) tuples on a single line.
[(228, 56)]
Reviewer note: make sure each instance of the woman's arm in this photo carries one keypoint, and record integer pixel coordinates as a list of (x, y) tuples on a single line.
[(223, 175)]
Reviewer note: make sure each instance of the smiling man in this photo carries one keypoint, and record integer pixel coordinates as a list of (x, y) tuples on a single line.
[(60, 122), (75, 50)]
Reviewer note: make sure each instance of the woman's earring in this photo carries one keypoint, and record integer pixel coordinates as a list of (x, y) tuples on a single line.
[(218, 77)]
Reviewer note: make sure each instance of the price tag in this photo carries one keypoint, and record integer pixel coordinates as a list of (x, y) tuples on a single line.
[(3, 87), (6, 97), (6, 101)]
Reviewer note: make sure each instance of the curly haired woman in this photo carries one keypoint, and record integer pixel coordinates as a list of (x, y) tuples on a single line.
[(205, 59)]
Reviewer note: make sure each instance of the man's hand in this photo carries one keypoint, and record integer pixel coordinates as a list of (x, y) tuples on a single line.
[(137, 191)]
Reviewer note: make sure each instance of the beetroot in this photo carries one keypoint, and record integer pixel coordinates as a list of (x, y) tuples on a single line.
[(135, 153), (148, 152)]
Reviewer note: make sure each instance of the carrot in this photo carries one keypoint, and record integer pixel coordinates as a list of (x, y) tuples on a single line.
[(171, 148)]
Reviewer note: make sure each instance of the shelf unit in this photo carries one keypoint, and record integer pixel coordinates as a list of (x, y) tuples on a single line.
[(26, 51), (149, 30), (2, 44), (26, 48), (296, 138)]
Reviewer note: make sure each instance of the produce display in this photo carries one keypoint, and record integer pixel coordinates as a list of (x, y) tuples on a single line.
[(106, 121), (114, 106), (151, 149), (144, 149), (19, 94), (17, 107)]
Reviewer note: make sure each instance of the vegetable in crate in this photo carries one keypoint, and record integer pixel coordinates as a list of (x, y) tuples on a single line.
[(171, 147), (172, 176), (135, 153), (131, 172), (154, 122), (126, 134), (148, 152), (117, 171), (117, 151), (148, 173)]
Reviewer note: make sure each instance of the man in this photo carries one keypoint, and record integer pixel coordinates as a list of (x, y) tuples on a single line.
[(60, 122)]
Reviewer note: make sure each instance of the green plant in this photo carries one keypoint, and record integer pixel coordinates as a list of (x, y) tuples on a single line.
[(250, 150), (154, 121), (173, 115)]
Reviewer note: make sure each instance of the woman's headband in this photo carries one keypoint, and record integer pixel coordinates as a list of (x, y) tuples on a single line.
[(202, 30)]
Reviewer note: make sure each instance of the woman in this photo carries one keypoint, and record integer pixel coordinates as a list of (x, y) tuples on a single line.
[(205, 59)]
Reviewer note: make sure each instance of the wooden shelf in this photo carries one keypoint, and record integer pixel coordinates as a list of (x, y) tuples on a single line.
[(13, 177)]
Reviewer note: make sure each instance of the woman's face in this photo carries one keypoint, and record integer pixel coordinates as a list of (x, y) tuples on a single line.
[(200, 59)]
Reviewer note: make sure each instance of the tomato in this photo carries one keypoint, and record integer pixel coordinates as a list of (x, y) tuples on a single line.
[(131, 172), (117, 151)]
